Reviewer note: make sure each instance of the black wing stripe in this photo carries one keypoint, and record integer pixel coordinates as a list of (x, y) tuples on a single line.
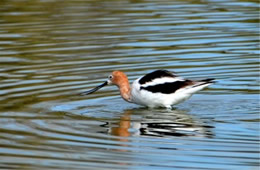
[(167, 88), (156, 74)]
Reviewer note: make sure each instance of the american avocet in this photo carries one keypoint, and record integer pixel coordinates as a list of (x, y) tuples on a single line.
[(160, 88)]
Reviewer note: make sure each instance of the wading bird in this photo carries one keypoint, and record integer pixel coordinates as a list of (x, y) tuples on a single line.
[(160, 88)]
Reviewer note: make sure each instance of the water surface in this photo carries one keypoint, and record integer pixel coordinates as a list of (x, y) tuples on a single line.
[(51, 51)]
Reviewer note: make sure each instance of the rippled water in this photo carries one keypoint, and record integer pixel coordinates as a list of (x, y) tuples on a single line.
[(51, 51)]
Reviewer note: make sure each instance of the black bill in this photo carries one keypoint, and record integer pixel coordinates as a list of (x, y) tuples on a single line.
[(95, 89)]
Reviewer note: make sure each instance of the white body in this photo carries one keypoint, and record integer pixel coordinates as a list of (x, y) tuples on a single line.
[(150, 99)]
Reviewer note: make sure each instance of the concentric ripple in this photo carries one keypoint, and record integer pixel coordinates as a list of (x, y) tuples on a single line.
[(51, 51)]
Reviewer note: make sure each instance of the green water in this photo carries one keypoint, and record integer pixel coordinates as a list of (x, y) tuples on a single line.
[(51, 51)]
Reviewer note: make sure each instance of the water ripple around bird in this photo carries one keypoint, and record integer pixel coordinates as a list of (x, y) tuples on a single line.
[(53, 51)]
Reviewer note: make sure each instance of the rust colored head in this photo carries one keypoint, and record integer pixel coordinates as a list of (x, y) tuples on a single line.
[(118, 78)]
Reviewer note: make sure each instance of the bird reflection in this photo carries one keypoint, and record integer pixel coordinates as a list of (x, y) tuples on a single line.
[(122, 127), (158, 123)]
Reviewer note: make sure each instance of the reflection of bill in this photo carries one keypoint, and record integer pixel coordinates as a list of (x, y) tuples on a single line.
[(159, 123)]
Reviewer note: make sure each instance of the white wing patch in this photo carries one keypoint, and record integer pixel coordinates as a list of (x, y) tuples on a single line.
[(162, 81)]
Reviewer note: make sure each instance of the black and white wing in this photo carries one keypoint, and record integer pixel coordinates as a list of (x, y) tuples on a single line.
[(165, 82)]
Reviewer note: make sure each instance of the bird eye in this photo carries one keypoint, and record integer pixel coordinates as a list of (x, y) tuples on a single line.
[(110, 77)]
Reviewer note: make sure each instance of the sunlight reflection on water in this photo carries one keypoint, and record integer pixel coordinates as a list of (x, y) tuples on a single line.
[(52, 51)]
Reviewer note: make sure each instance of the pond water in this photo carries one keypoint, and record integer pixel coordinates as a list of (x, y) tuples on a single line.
[(51, 51)]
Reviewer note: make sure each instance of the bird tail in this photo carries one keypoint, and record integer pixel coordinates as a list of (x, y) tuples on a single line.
[(204, 82), (198, 85)]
